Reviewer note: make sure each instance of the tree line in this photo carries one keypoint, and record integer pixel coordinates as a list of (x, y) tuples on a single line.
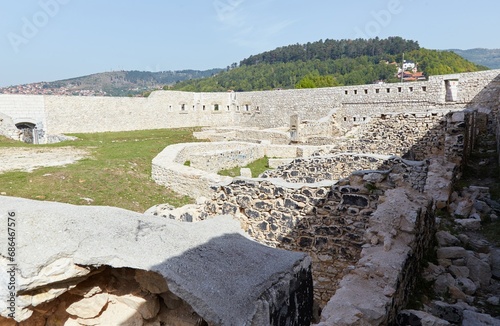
[(329, 63)]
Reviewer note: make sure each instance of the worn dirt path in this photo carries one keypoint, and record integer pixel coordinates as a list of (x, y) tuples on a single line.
[(28, 159)]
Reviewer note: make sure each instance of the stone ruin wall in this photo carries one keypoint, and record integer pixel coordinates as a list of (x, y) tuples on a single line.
[(331, 222), (265, 109), (326, 221), (340, 166), (300, 207)]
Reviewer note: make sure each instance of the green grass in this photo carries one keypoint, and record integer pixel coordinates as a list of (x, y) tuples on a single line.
[(257, 167), (117, 173)]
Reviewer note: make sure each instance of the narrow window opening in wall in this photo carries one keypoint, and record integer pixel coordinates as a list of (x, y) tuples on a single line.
[(366, 91), (354, 119), (411, 89), (237, 108), (228, 107), (204, 108), (355, 91), (377, 90), (183, 107), (424, 88), (364, 118), (247, 107), (388, 90), (400, 89), (216, 107), (346, 92), (258, 109), (345, 118), (194, 108)]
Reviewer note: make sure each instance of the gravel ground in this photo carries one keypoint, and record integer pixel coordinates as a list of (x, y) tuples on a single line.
[(28, 159)]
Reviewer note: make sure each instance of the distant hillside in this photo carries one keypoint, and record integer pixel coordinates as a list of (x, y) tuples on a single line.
[(115, 83), (486, 57), (331, 63)]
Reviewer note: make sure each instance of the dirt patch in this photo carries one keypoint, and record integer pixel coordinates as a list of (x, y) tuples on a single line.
[(28, 159)]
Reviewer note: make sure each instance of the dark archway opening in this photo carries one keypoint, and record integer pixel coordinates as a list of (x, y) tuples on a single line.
[(27, 134)]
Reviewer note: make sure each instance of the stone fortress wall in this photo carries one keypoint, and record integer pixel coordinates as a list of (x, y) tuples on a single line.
[(266, 109), (351, 224)]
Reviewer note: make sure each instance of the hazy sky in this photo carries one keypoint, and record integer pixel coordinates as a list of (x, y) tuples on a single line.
[(46, 40)]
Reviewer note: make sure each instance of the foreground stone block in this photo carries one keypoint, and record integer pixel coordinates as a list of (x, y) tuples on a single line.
[(416, 317), (212, 267)]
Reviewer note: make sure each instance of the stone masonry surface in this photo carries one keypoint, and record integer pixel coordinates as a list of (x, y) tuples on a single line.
[(267, 109), (364, 230), (212, 266)]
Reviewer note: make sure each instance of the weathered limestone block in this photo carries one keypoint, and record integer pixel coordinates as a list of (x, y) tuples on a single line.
[(448, 312), (466, 285), (445, 239), (88, 307), (451, 252), (147, 306), (480, 271), (416, 317), (472, 318), (193, 259)]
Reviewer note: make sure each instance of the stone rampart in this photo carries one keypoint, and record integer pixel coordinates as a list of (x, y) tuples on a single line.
[(24, 108), (265, 109)]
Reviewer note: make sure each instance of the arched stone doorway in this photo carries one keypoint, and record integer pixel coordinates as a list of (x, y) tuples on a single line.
[(27, 132)]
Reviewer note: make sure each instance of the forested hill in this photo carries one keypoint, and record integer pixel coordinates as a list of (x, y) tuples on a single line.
[(334, 49), (330, 63), (486, 57)]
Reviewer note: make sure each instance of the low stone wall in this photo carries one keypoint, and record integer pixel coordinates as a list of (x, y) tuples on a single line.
[(413, 136), (170, 167), (274, 136), (381, 282), (226, 156), (8, 129), (339, 166), (326, 219)]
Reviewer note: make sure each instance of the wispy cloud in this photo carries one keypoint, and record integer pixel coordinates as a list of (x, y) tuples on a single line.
[(247, 26)]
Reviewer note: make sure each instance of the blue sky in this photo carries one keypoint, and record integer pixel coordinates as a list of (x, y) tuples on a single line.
[(46, 40)]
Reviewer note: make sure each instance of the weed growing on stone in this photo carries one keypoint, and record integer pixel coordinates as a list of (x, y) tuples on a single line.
[(257, 167), (118, 172)]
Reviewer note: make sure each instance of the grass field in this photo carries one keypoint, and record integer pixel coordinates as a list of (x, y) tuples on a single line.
[(257, 167), (118, 172)]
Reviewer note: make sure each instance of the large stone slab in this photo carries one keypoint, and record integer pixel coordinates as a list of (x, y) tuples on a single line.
[(226, 277)]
